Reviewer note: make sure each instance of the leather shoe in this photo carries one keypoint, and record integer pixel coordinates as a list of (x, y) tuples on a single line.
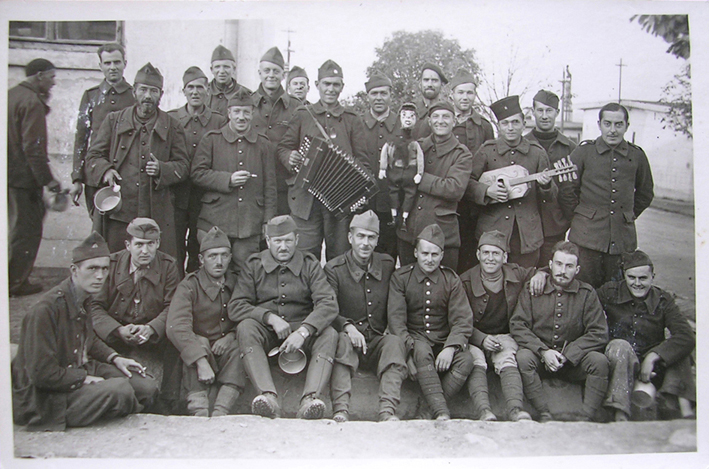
[(311, 408), (388, 417), (487, 416), (517, 414), (341, 416), (266, 405), (26, 289), (545, 417)]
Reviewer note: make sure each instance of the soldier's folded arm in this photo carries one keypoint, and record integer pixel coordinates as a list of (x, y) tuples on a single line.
[(453, 186), (180, 326)]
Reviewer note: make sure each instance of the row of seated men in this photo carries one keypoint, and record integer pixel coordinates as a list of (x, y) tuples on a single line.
[(76, 361)]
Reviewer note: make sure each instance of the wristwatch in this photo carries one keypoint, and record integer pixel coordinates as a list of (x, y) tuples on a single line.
[(303, 333)]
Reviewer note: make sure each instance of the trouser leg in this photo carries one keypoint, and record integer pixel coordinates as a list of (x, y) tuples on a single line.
[(515, 255), (529, 365), (428, 378), (310, 231), (252, 337), (505, 363), (389, 352), (241, 249), (346, 362), (335, 232), (679, 380), (181, 225), (595, 365), (146, 389), (25, 218), (454, 379), (591, 267), (468, 243), (406, 252), (477, 383), (322, 352), (110, 398), (623, 367), (387, 234), (195, 206), (89, 193), (450, 258)]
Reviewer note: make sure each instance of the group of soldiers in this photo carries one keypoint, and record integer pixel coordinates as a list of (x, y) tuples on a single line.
[(211, 264)]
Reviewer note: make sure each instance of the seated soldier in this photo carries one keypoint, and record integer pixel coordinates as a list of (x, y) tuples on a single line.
[(63, 375), (130, 311), (360, 278), (428, 309), (563, 329), (282, 299), (492, 288), (638, 313), (199, 327)]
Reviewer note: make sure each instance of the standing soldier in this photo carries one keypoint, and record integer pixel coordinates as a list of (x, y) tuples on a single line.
[(613, 188), (345, 129), (273, 111), (112, 94), (558, 147), (380, 127), (298, 84), (224, 85), (197, 119), (143, 149), (430, 84), (472, 130), (234, 165), (27, 172)]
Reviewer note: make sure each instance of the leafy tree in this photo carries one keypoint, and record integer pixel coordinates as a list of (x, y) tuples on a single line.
[(674, 29)]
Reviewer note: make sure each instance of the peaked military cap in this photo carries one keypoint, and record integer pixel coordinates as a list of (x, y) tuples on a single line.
[(461, 77), (435, 68), (38, 65), (377, 80), (367, 221), (548, 98), (494, 238), (297, 72), (92, 247), (222, 53), (143, 228), (149, 75), (329, 69), (192, 74), (274, 56), (506, 107), (433, 234), (437, 106), (280, 226), (407, 107), (215, 238), (241, 98), (635, 259)]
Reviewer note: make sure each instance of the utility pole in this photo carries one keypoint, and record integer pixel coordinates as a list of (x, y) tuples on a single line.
[(620, 77), (563, 97), (288, 50)]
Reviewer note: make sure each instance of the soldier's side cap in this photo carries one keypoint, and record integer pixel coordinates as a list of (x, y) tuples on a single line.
[(191, 74), (407, 107), (280, 226), (329, 69), (461, 77), (297, 72), (149, 75), (367, 221), (377, 80), (222, 53), (435, 68), (494, 238), (274, 56), (241, 98), (506, 107), (441, 105), (143, 228), (433, 234), (38, 65), (635, 259), (215, 238), (92, 247), (548, 98)]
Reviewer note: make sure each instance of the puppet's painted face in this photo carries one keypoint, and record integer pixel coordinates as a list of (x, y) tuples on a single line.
[(408, 119)]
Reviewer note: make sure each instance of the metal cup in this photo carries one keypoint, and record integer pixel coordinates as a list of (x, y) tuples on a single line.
[(643, 395), (108, 199)]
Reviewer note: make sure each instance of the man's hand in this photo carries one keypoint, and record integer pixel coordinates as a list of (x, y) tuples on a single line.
[(111, 177), (647, 367), (128, 334), (536, 283), (294, 159), (92, 379), (553, 360), (412, 368), (498, 192), (222, 345), (444, 359), (239, 178), (543, 179), (356, 338), (126, 364), (205, 373), (280, 326), (491, 344), (75, 192), (294, 342), (143, 333), (152, 167)]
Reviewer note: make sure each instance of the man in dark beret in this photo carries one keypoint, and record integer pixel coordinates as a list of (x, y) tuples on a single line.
[(112, 94), (283, 299), (298, 84), (428, 310), (130, 311), (142, 150), (555, 223), (224, 84), (196, 119), (638, 313), (430, 85), (199, 326), (235, 167), (28, 172), (517, 218), (63, 375)]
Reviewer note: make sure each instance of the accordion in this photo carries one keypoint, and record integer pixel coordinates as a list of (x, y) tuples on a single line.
[(333, 177)]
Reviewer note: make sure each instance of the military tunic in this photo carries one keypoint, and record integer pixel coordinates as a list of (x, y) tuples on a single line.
[(219, 98)]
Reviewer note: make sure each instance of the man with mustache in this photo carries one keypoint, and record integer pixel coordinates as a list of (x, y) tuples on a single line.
[(196, 119), (199, 326), (360, 278), (130, 311), (112, 94), (428, 310), (638, 313), (430, 84), (235, 167), (613, 188), (63, 375), (345, 130), (283, 299), (224, 85), (273, 111), (518, 218), (142, 150), (562, 333), (298, 84)]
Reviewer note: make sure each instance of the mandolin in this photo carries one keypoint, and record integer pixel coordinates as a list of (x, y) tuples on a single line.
[(517, 178)]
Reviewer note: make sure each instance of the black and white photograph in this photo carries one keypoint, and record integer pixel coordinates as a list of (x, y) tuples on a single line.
[(344, 232)]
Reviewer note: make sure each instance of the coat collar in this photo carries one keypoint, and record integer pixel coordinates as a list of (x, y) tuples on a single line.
[(474, 116), (260, 95), (212, 289), (375, 267), (476, 280), (185, 117), (651, 300), (420, 275), (270, 264), (231, 136), (126, 123), (389, 122), (442, 148), (231, 87), (68, 289), (573, 287), (319, 108), (503, 147), (602, 147), (123, 274), (42, 96), (120, 87)]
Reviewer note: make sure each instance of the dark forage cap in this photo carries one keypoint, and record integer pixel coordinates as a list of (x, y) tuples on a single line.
[(438, 105), (635, 259), (433, 234), (367, 221), (38, 65), (192, 74), (435, 68), (408, 107), (280, 226), (149, 75), (222, 53), (548, 98), (330, 69), (461, 77), (296, 72), (92, 247), (377, 80), (215, 238), (143, 228), (494, 238), (274, 56), (506, 107), (241, 98)]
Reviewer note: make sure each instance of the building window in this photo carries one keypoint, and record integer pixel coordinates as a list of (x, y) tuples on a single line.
[(66, 32)]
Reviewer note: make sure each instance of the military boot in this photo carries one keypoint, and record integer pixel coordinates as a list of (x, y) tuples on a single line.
[(226, 398), (477, 387), (198, 404), (432, 391)]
